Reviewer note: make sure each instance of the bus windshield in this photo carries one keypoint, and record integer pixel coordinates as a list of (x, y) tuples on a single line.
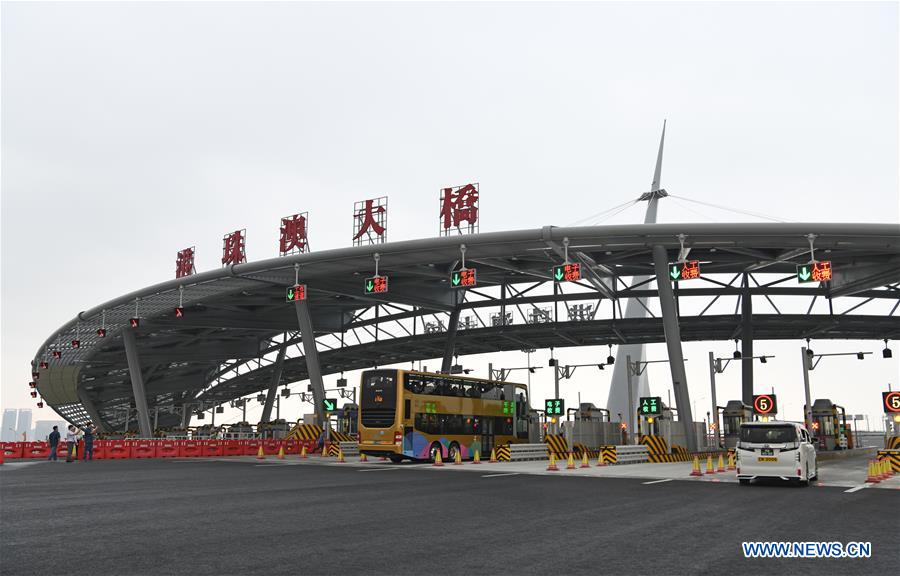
[(768, 434)]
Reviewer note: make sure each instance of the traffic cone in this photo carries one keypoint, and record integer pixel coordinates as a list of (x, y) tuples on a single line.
[(303, 452), (882, 470), (324, 451), (584, 460), (493, 455), (457, 460), (873, 476), (340, 457), (260, 455), (437, 459), (570, 462), (477, 458), (721, 467), (552, 465), (696, 469), (709, 465), (362, 457), (600, 460), (281, 452), (731, 465)]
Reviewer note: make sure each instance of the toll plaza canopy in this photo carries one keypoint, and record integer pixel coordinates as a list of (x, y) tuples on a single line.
[(238, 335)]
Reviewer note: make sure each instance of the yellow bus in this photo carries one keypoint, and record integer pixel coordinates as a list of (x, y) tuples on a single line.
[(412, 415)]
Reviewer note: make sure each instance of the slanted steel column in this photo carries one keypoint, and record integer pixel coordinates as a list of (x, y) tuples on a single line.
[(450, 344), (273, 387), (91, 409), (673, 345), (746, 343), (137, 383), (312, 357)]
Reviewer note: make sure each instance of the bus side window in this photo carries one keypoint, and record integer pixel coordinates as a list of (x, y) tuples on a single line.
[(406, 407)]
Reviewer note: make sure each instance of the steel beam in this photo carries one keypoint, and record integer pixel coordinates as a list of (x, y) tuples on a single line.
[(450, 344), (747, 343), (137, 383), (273, 387), (673, 345), (311, 353)]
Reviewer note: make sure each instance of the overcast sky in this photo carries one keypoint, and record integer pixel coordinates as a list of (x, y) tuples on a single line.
[(132, 130)]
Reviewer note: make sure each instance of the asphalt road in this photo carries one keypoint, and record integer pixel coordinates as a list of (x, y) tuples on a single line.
[(237, 517)]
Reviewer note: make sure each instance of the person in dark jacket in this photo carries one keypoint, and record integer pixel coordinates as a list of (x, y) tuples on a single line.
[(89, 442), (53, 439)]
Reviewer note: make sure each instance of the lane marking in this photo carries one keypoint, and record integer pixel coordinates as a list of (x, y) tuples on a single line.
[(504, 474), (856, 488), (658, 481), (377, 469)]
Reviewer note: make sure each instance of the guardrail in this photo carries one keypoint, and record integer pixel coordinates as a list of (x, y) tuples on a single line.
[(632, 454), (521, 452), (349, 448)]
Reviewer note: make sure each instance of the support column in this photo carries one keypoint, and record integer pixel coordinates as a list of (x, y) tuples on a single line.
[(312, 357), (712, 390), (746, 343), (807, 413), (91, 409), (185, 415), (632, 435), (137, 383), (450, 344), (673, 345), (273, 387)]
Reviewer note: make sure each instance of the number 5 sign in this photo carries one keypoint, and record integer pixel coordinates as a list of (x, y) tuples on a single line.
[(765, 404), (891, 401)]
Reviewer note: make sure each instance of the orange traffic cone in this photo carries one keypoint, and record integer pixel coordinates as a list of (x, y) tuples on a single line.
[(362, 457), (260, 455), (570, 462), (696, 469), (721, 467), (731, 465), (600, 460), (873, 475), (493, 455), (438, 461), (477, 458), (303, 452), (340, 457), (281, 452), (552, 465), (882, 469), (710, 469), (584, 460)]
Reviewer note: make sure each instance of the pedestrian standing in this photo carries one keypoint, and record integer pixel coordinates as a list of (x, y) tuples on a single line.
[(53, 439), (89, 442), (71, 440)]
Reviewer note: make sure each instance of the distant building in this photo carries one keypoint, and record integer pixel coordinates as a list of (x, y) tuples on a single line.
[(43, 428), (23, 429), (8, 434)]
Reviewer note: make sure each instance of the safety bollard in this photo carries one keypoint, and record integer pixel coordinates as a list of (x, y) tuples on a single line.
[(721, 467), (710, 469), (552, 465), (696, 469)]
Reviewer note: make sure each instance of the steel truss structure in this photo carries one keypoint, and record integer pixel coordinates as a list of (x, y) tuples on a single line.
[(238, 336)]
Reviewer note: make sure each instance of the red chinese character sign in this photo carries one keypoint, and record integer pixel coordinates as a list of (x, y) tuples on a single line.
[(293, 234), (233, 248), (459, 210), (370, 221), (184, 263)]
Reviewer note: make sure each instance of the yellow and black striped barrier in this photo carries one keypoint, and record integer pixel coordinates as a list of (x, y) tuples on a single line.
[(580, 450), (655, 444), (893, 443), (336, 436), (608, 454), (502, 453), (556, 444), (305, 432), (893, 456)]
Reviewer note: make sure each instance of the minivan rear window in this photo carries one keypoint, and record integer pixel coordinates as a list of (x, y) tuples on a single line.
[(768, 434)]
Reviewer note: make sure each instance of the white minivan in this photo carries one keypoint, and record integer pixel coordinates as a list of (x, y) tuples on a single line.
[(776, 449)]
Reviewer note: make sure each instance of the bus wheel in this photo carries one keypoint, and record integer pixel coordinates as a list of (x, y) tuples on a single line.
[(396, 458), (434, 451), (452, 451)]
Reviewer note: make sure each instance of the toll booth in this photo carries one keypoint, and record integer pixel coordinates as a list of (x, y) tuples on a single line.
[(829, 422), (276, 429), (347, 419), (239, 431), (205, 432), (734, 414), (656, 424), (589, 426)]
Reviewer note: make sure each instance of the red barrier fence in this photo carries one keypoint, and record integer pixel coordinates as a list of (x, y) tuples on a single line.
[(122, 449)]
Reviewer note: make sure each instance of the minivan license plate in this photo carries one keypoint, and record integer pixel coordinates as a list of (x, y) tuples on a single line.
[(767, 459)]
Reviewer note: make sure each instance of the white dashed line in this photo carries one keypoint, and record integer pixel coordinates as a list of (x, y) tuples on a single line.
[(498, 475), (857, 488), (658, 481)]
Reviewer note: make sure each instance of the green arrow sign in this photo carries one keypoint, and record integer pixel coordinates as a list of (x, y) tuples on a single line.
[(370, 286), (455, 278), (329, 404), (559, 273), (674, 272), (803, 273)]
